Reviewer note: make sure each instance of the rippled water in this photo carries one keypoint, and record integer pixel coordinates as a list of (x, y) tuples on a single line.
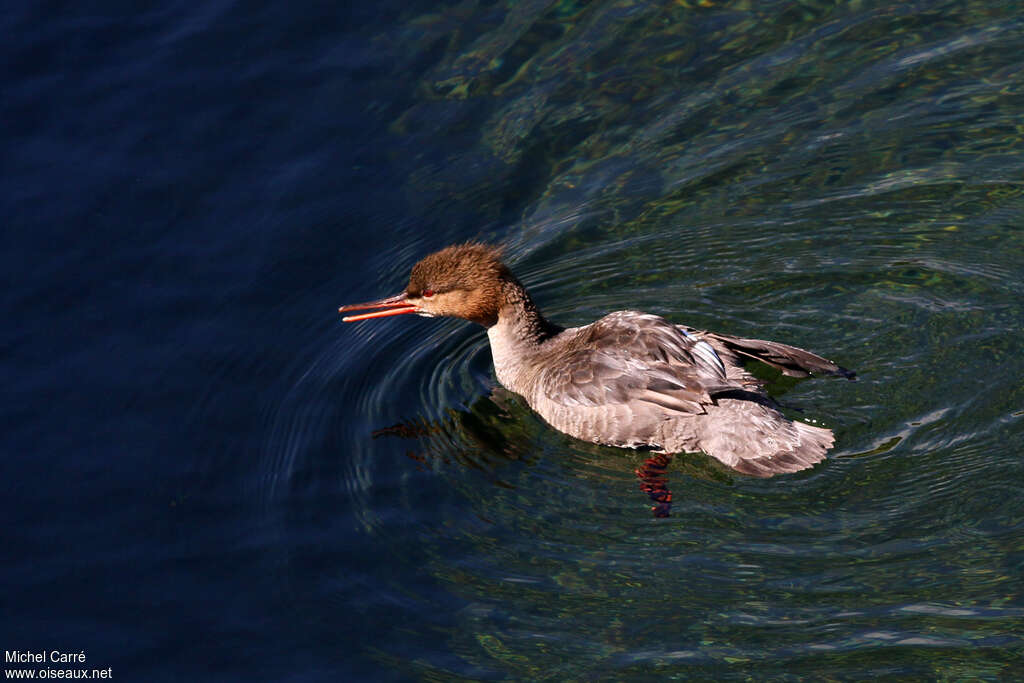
[(297, 498)]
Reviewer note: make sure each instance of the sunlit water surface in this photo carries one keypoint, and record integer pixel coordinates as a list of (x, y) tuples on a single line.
[(302, 499)]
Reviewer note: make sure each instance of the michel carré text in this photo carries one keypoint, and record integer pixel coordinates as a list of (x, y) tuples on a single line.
[(26, 657)]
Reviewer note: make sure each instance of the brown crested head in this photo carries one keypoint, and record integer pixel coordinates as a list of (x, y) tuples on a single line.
[(463, 281)]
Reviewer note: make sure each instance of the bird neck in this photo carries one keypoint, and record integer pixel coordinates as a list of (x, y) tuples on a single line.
[(520, 319), (517, 337)]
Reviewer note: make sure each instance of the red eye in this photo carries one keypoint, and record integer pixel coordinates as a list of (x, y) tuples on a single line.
[(427, 293)]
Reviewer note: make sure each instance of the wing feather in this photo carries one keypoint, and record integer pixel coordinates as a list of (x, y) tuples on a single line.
[(628, 356), (792, 361)]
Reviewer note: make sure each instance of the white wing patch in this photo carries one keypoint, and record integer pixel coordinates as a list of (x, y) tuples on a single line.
[(706, 352)]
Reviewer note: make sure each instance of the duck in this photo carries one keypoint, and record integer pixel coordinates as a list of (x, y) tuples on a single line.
[(630, 379)]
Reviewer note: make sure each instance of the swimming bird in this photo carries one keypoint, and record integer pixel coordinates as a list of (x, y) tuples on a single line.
[(630, 379)]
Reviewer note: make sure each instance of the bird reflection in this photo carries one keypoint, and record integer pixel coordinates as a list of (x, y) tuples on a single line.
[(483, 436)]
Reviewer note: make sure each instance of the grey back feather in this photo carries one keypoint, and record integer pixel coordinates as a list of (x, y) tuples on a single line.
[(629, 356)]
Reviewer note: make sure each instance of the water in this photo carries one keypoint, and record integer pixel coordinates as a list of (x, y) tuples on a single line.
[(206, 476)]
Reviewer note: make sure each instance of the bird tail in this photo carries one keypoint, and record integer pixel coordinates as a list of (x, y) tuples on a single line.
[(758, 440), (810, 448)]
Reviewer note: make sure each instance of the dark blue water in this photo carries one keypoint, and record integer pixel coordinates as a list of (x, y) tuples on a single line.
[(206, 476)]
